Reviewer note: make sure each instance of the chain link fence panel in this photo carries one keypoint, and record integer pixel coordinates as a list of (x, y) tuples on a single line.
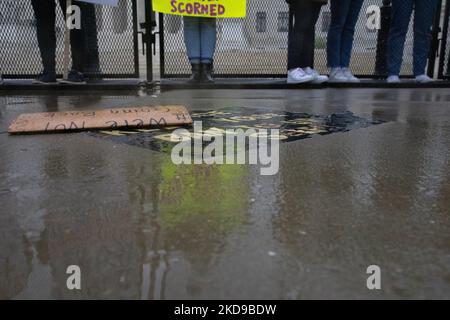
[(256, 46), (111, 40)]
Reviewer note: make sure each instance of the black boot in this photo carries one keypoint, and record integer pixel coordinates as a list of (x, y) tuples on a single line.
[(196, 70), (206, 73)]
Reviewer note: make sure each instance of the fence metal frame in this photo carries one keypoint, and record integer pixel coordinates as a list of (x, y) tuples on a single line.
[(135, 74), (434, 46), (162, 51), (439, 51), (444, 52)]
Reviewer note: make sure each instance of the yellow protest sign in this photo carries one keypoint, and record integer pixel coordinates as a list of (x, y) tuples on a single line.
[(202, 8)]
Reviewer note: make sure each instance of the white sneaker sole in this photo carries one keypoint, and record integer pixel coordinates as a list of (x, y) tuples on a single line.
[(292, 81), (316, 81)]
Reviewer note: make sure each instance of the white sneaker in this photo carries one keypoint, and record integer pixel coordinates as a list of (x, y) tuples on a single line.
[(298, 76), (393, 79), (336, 75), (349, 75), (423, 78), (318, 78)]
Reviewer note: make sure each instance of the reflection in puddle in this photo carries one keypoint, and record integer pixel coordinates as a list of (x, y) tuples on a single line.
[(292, 126)]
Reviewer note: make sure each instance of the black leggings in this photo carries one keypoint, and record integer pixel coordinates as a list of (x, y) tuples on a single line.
[(302, 35), (45, 13)]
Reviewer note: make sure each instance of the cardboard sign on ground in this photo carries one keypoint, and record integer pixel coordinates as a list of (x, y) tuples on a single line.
[(133, 117)]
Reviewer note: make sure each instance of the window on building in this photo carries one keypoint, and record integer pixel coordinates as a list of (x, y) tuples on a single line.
[(261, 22), (283, 21)]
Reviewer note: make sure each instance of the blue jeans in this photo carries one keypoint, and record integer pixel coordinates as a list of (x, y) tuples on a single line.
[(423, 21), (344, 15), (200, 39)]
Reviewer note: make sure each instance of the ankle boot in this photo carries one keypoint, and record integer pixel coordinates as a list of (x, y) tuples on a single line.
[(196, 73), (206, 73)]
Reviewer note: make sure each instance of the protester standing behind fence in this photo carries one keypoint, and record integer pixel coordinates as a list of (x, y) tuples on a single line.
[(200, 39), (423, 20), (344, 15), (301, 41), (45, 14)]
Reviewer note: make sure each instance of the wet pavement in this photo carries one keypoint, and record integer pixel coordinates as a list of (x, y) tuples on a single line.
[(140, 227)]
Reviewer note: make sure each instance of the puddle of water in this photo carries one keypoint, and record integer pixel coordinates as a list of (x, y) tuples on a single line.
[(292, 126)]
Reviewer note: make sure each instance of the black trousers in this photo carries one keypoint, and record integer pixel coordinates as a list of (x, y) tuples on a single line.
[(302, 34), (45, 13)]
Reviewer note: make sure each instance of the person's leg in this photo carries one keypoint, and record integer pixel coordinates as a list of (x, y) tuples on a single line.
[(348, 32), (296, 35), (302, 43), (423, 21), (208, 36), (92, 56), (401, 15), (339, 10), (308, 49), (192, 39), (44, 11), (301, 35), (193, 48), (77, 37), (293, 43)]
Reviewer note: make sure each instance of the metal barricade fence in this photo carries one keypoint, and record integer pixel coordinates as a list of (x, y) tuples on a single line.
[(112, 40), (256, 46)]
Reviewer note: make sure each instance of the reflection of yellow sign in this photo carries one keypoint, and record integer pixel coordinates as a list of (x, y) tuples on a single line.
[(202, 8)]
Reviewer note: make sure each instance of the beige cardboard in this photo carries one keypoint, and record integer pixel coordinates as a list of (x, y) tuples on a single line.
[(133, 117)]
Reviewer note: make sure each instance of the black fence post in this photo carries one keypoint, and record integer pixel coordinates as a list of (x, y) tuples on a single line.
[(382, 40), (162, 54), (443, 52), (149, 38), (134, 7)]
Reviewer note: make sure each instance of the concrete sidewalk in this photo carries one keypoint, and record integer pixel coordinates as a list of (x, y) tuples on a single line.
[(140, 227)]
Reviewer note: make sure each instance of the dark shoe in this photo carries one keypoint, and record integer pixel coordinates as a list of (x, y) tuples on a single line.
[(46, 78), (1, 79), (195, 77), (74, 77), (206, 73)]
